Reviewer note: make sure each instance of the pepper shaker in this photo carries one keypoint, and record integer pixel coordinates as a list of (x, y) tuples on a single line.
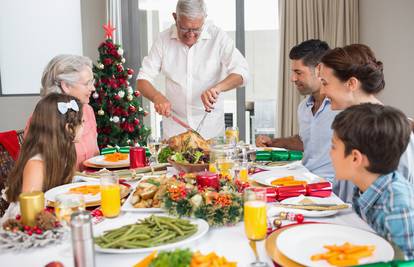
[(82, 240)]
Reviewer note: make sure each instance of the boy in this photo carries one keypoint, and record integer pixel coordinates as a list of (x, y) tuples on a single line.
[(367, 143)]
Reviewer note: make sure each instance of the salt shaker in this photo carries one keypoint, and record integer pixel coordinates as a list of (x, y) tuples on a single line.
[(82, 241)]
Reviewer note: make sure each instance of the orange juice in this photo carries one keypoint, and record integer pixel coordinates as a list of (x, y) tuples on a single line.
[(110, 200), (212, 167), (255, 220), (232, 135), (244, 175), (225, 166)]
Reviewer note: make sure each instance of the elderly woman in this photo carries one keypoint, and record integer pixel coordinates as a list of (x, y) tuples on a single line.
[(72, 75), (350, 76)]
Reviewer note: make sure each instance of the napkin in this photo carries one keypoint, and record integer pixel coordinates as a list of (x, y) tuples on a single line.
[(11, 143)]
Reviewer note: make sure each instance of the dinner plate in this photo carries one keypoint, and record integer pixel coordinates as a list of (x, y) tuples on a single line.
[(301, 242), (63, 189), (90, 200), (127, 206), (130, 218), (274, 210), (100, 162), (274, 165), (300, 173)]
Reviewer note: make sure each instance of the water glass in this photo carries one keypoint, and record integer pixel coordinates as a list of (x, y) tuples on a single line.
[(66, 204)]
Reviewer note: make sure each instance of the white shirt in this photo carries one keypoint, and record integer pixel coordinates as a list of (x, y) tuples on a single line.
[(189, 72)]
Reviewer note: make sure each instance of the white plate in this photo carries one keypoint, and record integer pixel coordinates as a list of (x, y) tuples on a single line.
[(299, 243), (63, 189), (127, 206), (130, 218), (97, 180), (290, 165), (300, 173), (100, 161), (273, 211)]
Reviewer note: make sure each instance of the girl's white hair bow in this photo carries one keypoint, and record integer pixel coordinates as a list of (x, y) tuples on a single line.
[(63, 107)]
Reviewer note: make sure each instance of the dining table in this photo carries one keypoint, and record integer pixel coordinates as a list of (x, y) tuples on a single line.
[(228, 241)]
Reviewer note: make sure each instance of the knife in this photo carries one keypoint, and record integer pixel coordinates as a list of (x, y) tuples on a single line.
[(201, 122), (183, 124)]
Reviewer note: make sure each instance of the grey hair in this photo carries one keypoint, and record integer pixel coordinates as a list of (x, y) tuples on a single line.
[(192, 9), (62, 68)]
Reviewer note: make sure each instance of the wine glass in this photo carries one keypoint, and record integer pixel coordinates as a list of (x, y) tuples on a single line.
[(255, 220), (66, 204), (154, 145)]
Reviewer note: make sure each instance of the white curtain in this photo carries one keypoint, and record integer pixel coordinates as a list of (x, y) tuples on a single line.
[(334, 21), (113, 14)]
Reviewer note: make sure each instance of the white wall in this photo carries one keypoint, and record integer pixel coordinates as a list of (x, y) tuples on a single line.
[(15, 110), (388, 28)]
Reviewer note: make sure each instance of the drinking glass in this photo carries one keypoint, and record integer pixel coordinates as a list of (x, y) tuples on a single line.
[(241, 171), (110, 195), (66, 204), (223, 158), (232, 135), (255, 220), (154, 146)]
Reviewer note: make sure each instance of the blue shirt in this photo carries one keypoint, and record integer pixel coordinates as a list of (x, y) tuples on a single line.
[(316, 134), (388, 207)]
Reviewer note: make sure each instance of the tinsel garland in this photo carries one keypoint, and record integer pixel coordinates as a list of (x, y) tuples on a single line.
[(224, 207)]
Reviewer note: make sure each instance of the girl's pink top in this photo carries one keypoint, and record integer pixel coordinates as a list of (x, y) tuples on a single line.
[(87, 147)]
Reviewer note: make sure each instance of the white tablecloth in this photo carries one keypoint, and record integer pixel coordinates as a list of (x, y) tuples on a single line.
[(230, 242)]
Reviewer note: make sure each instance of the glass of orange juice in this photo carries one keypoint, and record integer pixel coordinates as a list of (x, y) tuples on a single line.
[(255, 219), (243, 171), (232, 135), (110, 195)]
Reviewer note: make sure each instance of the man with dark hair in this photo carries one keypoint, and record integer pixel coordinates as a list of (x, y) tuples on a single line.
[(367, 144), (314, 112)]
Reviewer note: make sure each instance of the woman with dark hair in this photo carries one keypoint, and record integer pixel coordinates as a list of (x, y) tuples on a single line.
[(352, 75)]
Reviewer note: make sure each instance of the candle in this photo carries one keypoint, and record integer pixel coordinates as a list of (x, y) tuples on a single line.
[(208, 179), (31, 204)]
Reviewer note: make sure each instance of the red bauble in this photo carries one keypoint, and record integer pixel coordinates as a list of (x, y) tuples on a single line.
[(119, 68), (114, 53), (136, 121), (137, 93), (131, 127), (125, 113), (107, 61), (132, 109), (117, 97), (130, 71)]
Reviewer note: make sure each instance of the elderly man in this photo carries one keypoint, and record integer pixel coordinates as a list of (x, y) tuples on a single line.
[(314, 112), (200, 62)]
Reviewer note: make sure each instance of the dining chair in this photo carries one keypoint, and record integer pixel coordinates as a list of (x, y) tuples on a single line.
[(6, 165)]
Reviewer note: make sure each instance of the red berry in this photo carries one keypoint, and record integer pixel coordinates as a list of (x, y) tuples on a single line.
[(35, 228), (18, 217), (299, 218), (29, 232), (38, 231), (27, 228), (57, 224)]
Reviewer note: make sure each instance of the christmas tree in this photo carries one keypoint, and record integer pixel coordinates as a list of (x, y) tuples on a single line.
[(118, 107)]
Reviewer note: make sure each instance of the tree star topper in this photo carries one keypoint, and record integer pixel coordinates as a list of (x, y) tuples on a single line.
[(109, 29)]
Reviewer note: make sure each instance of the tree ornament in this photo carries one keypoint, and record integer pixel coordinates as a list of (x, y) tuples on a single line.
[(117, 97), (123, 60), (121, 93), (130, 71), (132, 109), (136, 121), (130, 97), (130, 90), (137, 93), (114, 119), (109, 30), (100, 66), (101, 112), (120, 51), (95, 95)]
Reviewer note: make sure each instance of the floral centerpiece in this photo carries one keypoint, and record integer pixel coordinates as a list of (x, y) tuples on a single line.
[(218, 207)]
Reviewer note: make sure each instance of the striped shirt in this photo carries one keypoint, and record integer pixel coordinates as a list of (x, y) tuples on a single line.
[(388, 207)]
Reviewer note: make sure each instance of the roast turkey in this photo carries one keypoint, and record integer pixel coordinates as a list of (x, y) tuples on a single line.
[(188, 140)]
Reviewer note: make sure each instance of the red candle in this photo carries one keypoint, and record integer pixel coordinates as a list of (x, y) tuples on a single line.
[(208, 179), (137, 157)]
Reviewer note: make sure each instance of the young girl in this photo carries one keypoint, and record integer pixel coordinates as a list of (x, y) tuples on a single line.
[(47, 158)]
